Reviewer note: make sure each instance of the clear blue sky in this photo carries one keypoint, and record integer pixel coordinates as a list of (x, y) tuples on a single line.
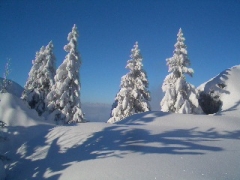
[(108, 30)]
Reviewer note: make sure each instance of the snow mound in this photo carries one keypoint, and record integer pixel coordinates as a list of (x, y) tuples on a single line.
[(151, 145), (227, 84), (14, 112)]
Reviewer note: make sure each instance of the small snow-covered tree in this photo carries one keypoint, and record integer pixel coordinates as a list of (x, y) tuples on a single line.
[(41, 78), (180, 96), (133, 96), (5, 82), (64, 98)]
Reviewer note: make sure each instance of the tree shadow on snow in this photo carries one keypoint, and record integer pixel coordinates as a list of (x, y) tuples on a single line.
[(142, 118), (233, 108), (114, 141)]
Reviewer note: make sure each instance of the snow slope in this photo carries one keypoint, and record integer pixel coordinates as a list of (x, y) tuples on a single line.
[(18, 118), (230, 95), (14, 88), (151, 145), (15, 112)]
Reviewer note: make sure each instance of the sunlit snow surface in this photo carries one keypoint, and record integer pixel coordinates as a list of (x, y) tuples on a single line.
[(152, 145)]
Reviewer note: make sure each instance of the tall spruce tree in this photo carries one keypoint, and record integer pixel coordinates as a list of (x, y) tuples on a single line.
[(133, 96), (41, 78), (64, 98), (180, 96)]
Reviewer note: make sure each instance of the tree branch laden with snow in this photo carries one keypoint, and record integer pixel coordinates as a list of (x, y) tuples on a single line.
[(6, 82)]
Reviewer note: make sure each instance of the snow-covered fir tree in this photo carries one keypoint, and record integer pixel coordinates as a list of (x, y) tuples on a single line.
[(133, 96), (41, 78), (5, 82), (64, 98), (180, 96)]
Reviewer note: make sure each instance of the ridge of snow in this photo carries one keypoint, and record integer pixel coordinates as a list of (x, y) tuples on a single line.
[(229, 95)]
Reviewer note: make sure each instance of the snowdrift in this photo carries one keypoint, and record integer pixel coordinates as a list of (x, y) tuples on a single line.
[(227, 83), (14, 112), (151, 145)]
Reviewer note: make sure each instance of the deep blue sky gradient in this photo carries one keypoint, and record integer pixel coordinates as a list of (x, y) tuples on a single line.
[(108, 30)]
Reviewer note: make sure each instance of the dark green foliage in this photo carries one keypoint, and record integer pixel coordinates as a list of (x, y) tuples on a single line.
[(210, 102)]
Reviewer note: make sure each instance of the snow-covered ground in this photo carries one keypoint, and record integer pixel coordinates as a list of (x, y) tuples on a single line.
[(152, 145)]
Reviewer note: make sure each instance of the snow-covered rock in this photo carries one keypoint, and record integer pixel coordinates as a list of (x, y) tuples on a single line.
[(227, 85)]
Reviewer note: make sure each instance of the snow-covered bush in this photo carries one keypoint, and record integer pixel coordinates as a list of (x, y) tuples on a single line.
[(41, 78), (210, 102), (133, 96), (63, 101), (180, 96)]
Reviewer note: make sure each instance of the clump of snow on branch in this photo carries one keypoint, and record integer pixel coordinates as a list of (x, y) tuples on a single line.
[(41, 78), (180, 96), (133, 96), (64, 98)]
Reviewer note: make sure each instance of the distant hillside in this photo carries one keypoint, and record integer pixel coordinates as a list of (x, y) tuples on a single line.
[(227, 83), (14, 88), (96, 112)]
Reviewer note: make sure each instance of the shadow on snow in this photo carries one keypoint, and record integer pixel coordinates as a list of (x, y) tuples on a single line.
[(114, 141), (142, 118), (233, 108)]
